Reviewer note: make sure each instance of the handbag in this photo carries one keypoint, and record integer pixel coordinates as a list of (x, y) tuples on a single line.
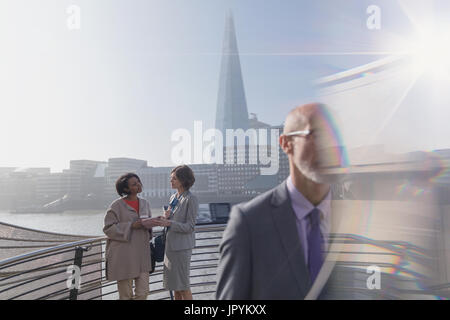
[(158, 247), (152, 258)]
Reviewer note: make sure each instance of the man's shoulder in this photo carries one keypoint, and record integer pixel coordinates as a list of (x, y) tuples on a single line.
[(258, 205)]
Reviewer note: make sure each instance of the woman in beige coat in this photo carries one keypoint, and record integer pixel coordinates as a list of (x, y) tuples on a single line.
[(127, 246), (180, 218)]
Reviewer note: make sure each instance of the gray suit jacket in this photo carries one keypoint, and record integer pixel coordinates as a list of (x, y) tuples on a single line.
[(181, 234), (262, 257), (261, 254)]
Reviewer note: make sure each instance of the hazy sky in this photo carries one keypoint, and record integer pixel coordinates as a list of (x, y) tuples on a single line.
[(138, 70)]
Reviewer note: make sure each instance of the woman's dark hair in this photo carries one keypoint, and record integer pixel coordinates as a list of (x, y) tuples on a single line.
[(185, 175), (122, 183)]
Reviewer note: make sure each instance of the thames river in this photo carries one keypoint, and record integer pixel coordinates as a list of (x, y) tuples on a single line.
[(81, 222)]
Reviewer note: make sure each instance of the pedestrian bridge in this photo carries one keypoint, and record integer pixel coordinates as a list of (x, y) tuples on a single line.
[(49, 273)]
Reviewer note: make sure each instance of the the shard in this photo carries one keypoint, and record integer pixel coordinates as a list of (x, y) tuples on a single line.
[(231, 110)]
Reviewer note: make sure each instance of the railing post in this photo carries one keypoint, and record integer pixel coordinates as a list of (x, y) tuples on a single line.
[(76, 262)]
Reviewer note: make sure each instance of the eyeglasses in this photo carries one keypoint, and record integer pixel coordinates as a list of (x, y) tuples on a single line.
[(302, 133)]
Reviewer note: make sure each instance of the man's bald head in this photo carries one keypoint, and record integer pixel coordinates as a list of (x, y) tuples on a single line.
[(299, 117), (308, 153)]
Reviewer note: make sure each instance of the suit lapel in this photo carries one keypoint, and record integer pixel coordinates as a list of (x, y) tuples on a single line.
[(285, 222), (142, 207), (180, 202)]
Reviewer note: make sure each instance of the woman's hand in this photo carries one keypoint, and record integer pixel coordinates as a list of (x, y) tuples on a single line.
[(137, 224), (163, 222), (150, 223), (167, 213)]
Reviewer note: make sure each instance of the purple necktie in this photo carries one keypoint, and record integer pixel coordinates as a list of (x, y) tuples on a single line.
[(315, 239)]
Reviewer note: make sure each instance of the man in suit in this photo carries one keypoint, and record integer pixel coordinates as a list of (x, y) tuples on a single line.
[(273, 245)]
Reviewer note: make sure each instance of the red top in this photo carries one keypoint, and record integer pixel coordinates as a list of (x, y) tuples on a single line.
[(133, 203)]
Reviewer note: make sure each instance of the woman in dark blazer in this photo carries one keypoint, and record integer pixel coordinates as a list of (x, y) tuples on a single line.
[(180, 218)]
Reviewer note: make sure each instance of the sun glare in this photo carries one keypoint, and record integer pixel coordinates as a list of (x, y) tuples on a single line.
[(430, 52)]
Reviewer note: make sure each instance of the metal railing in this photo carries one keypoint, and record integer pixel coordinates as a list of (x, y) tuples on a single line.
[(44, 274), (400, 281)]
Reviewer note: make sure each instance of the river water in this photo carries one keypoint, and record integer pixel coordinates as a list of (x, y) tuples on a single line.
[(79, 222)]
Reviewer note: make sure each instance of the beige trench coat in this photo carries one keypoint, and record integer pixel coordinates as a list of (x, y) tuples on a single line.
[(127, 249)]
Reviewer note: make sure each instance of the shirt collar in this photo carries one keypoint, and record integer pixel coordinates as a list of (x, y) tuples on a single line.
[(302, 207), (182, 195)]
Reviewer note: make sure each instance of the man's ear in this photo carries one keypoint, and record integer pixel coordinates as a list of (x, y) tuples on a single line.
[(285, 144)]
